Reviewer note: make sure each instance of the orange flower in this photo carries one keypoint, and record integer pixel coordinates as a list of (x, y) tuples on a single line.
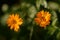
[(43, 18), (14, 21)]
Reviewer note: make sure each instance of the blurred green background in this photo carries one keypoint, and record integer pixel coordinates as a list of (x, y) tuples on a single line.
[(27, 9)]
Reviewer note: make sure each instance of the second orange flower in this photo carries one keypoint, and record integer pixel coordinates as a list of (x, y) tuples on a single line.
[(43, 18)]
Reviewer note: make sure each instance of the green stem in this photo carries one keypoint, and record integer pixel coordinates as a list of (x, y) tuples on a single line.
[(31, 32)]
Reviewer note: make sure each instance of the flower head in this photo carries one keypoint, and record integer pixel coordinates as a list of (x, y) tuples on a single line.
[(14, 21), (43, 18)]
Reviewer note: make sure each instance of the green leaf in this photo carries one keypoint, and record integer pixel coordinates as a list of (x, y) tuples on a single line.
[(51, 30), (41, 2), (54, 18), (53, 5), (32, 11), (58, 36)]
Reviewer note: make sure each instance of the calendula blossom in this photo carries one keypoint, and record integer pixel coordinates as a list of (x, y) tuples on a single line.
[(43, 18), (14, 21)]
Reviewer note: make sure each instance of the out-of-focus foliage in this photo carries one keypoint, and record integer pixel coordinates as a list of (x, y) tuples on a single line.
[(27, 9)]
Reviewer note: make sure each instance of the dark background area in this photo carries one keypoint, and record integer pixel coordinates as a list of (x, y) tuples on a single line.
[(7, 34)]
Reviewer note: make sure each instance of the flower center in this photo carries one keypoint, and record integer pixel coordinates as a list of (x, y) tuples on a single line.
[(42, 19), (14, 22)]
